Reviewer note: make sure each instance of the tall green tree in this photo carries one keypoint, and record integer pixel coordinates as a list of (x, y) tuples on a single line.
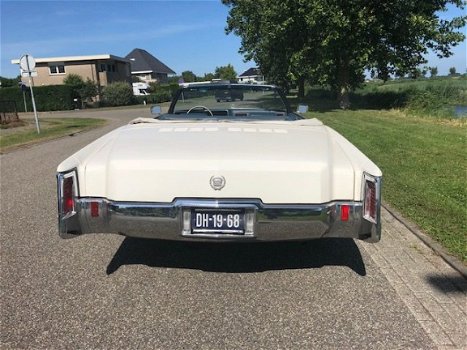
[(452, 71), (433, 72), (188, 76), (333, 42), (225, 72), (208, 76)]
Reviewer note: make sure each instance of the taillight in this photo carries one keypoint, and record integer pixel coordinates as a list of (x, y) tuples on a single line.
[(68, 204), (68, 193), (370, 202)]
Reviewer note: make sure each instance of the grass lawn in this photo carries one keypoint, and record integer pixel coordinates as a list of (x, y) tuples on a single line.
[(50, 128), (424, 167)]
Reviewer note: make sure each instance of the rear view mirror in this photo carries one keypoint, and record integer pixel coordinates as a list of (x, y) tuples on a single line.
[(156, 111), (302, 109)]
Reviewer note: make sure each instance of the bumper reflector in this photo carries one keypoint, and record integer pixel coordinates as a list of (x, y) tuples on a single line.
[(345, 209), (94, 209)]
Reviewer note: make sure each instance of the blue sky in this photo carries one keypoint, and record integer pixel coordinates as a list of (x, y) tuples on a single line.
[(185, 35)]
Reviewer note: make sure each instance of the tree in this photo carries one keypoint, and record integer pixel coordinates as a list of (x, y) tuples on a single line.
[(85, 90), (225, 72), (188, 76), (88, 91), (174, 79), (74, 80), (208, 76), (452, 71), (333, 42), (433, 72), (10, 82)]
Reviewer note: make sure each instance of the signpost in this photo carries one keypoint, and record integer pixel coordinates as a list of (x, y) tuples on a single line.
[(27, 64), (24, 88)]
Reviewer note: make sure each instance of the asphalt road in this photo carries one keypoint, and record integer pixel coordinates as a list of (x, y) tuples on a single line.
[(107, 291)]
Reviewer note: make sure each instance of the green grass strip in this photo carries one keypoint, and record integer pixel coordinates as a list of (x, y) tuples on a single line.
[(51, 128), (424, 166)]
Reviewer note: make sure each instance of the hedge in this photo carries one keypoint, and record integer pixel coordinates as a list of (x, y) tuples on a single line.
[(48, 98), (117, 94), (157, 97)]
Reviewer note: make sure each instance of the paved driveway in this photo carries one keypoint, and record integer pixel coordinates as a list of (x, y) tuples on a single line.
[(101, 291)]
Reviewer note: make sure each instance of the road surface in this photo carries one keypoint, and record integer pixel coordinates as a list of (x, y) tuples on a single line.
[(112, 292)]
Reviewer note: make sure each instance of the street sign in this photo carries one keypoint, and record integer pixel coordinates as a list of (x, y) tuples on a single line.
[(27, 63), (32, 73)]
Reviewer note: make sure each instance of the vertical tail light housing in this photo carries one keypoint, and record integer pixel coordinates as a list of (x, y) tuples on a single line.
[(67, 193), (371, 198)]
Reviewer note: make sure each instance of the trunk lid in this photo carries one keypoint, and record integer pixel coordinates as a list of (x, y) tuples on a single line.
[(275, 162)]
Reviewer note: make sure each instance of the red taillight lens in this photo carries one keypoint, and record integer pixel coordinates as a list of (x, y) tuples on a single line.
[(370, 201), (345, 209), (94, 209), (67, 195)]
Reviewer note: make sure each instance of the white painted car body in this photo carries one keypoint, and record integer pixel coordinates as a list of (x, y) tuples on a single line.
[(302, 161), (277, 163)]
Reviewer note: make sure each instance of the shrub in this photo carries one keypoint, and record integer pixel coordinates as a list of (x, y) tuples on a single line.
[(157, 97), (85, 90), (74, 80), (10, 82), (164, 88), (117, 94), (48, 98)]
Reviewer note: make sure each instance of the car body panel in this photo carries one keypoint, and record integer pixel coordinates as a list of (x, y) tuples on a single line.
[(284, 168)]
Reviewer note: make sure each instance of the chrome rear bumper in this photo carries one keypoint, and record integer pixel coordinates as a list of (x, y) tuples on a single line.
[(271, 222)]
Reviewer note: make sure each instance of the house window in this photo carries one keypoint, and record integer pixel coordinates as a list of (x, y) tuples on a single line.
[(107, 67), (57, 69)]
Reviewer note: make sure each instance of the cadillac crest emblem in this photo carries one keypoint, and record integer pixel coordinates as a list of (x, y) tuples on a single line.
[(217, 182)]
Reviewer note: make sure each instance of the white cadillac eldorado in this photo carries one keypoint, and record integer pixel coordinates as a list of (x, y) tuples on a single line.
[(228, 162)]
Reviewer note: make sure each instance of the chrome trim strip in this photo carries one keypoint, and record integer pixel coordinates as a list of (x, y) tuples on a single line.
[(271, 222)]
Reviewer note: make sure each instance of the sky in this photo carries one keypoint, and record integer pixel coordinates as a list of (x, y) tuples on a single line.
[(185, 35)]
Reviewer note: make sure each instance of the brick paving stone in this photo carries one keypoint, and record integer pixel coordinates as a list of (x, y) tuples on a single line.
[(434, 292), (457, 312), (436, 333), (378, 259), (392, 277)]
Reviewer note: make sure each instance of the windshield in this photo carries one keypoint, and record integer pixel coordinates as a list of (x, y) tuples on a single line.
[(229, 101)]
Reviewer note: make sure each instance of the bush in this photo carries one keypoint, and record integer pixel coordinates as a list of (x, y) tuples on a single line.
[(157, 97), (10, 82), (74, 80), (84, 90), (117, 94), (48, 98), (164, 88)]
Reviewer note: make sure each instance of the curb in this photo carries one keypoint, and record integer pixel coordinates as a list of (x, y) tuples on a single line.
[(452, 261)]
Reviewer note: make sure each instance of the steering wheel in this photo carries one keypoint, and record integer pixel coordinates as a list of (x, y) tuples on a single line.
[(202, 107)]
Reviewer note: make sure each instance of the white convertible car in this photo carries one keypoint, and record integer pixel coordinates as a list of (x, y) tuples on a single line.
[(244, 168)]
